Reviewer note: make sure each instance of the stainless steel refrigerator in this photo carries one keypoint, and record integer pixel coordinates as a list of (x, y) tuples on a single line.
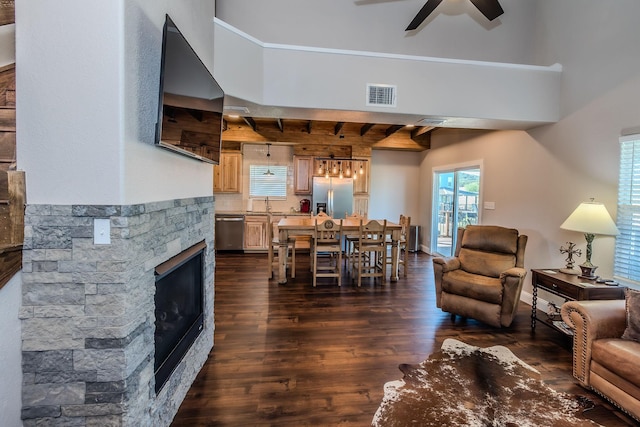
[(333, 195)]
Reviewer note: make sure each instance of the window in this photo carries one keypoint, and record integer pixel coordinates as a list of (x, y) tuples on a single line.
[(627, 254), (456, 193), (262, 185)]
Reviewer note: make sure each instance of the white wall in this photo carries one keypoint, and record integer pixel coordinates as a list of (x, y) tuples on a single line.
[(538, 178), (395, 183), (597, 43), (307, 78), (150, 173), (455, 30), (88, 89), (10, 353)]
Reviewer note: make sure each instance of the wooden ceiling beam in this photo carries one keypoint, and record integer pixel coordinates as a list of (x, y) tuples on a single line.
[(323, 134), (421, 130), (338, 128), (251, 122), (422, 135), (393, 129), (366, 128)]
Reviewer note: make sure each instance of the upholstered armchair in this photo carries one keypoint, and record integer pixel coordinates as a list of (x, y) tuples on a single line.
[(484, 278), (606, 349)]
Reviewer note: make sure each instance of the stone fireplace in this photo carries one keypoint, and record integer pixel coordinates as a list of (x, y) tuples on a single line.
[(88, 317)]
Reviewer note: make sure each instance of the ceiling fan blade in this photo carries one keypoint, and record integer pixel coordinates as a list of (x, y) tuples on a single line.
[(426, 10), (489, 8)]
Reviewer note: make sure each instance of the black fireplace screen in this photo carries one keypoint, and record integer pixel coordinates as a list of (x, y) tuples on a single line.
[(178, 308)]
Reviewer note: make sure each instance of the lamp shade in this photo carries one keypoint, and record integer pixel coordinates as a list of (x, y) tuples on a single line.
[(591, 218)]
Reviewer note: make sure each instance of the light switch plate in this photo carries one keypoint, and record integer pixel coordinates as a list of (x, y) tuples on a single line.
[(101, 231), (490, 205)]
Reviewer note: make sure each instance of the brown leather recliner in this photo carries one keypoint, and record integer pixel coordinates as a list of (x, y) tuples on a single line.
[(484, 278), (602, 360)]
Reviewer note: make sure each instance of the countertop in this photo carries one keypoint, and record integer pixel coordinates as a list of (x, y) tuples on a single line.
[(247, 213)]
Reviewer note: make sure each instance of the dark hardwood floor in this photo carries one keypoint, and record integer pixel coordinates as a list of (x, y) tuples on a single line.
[(294, 355)]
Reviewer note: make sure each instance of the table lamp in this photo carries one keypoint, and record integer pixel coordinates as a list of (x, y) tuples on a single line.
[(590, 218)]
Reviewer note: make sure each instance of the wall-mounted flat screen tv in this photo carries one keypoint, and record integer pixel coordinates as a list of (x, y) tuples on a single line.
[(191, 101)]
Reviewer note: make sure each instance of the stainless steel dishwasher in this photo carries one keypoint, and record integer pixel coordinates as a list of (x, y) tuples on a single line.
[(229, 232)]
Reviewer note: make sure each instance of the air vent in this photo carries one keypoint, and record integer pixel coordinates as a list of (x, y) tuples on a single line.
[(381, 95)]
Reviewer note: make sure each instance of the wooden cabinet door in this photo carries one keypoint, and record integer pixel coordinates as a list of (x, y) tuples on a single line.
[(361, 205), (227, 176), (232, 173), (255, 232), (217, 177), (302, 174), (361, 183)]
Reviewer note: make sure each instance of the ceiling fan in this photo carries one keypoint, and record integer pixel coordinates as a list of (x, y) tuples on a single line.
[(489, 8)]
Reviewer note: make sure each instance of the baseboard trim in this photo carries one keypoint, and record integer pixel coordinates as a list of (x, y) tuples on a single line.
[(527, 297)]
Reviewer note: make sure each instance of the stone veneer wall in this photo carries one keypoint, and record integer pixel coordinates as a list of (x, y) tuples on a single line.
[(88, 312)]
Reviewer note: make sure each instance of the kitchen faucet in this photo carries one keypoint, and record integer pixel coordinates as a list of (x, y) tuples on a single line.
[(267, 207)]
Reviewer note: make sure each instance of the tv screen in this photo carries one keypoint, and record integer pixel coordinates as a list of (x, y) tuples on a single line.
[(191, 101)]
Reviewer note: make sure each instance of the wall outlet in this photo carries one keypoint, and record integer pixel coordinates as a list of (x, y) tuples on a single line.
[(102, 231)]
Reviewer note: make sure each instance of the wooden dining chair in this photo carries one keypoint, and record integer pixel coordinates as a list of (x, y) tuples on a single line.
[(273, 237), (350, 238), (369, 257), (405, 223), (321, 215), (327, 250)]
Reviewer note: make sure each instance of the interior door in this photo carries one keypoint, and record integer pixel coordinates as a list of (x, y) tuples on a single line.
[(455, 204)]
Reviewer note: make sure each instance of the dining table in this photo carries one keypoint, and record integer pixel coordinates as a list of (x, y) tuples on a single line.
[(305, 226)]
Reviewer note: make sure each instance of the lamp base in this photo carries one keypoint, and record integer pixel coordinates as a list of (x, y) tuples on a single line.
[(571, 271), (587, 272)]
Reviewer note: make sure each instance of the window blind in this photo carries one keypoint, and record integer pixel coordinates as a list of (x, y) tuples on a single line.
[(261, 185), (627, 252)]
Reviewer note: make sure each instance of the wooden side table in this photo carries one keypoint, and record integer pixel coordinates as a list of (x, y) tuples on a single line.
[(569, 287)]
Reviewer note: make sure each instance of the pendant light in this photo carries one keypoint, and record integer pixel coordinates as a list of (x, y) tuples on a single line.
[(268, 172)]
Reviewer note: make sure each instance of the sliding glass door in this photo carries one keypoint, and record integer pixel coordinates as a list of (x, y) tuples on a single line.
[(455, 204)]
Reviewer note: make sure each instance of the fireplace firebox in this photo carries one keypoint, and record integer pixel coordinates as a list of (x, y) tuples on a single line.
[(178, 309)]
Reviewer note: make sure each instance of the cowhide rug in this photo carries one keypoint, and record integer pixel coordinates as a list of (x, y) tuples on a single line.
[(462, 385)]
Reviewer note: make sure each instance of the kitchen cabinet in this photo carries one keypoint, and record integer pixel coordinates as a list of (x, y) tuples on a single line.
[(361, 183), (255, 232), (302, 174), (227, 176), (361, 205)]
